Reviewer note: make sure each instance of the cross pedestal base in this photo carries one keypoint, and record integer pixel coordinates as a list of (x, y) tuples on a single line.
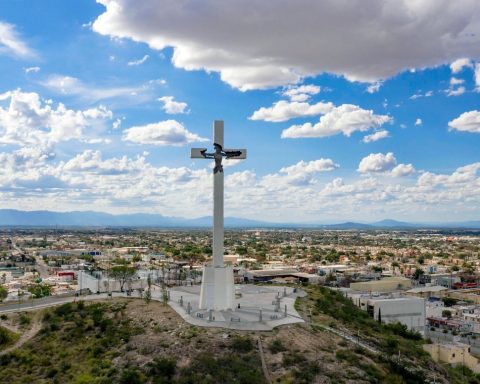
[(218, 289)]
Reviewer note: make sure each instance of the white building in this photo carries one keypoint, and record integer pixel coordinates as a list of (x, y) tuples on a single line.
[(435, 308), (392, 308), (406, 310), (331, 269)]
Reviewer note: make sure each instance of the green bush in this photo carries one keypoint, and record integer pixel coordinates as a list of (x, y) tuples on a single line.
[(448, 301), (307, 372), (276, 346), (228, 368), (131, 376), (390, 344), (40, 290), (242, 344), (5, 336), (64, 309), (162, 369), (25, 319), (402, 330), (347, 355), (341, 308), (293, 358)]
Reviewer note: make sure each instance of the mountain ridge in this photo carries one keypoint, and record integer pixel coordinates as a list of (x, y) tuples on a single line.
[(45, 218)]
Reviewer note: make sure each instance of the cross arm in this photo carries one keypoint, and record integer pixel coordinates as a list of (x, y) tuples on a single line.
[(235, 153), (198, 153)]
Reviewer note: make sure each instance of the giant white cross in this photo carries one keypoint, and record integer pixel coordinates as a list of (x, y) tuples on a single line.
[(214, 295)]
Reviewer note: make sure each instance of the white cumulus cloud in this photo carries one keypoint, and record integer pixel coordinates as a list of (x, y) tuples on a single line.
[(403, 170), (461, 177), (477, 76), (459, 64), (376, 136), (27, 120), (345, 119), (256, 44), (456, 91), (466, 122), (304, 172), (419, 94), (168, 132), (314, 166), (377, 162), (284, 110), (91, 160), (302, 92), (171, 106), (375, 87), (456, 81)]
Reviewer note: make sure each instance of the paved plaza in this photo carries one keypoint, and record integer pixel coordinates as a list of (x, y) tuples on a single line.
[(259, 308)]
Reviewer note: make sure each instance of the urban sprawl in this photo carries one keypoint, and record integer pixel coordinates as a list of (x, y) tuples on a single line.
[(427, 280)]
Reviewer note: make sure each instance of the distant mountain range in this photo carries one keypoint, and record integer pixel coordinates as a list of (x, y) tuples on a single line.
[(16, 218), (12, 217)]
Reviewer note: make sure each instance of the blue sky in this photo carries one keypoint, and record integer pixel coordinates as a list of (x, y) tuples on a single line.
[(358, 111)]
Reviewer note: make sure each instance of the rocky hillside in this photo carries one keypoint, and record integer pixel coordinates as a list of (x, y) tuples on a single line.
[(130, 341)]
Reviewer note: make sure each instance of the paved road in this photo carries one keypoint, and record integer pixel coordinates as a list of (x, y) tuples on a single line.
[(40, 266), (50, 302)]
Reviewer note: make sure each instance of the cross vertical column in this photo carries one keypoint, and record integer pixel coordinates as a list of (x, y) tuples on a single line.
[(218, 289), (218, 188)]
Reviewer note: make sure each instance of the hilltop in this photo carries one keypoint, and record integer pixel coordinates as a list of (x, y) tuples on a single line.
[(129, 341)]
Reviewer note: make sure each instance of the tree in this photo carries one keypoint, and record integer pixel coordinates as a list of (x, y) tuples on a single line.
[(147, 296), (148, 293), (418, 272), (447, 313), (122, 274), (3, 293), (395, 265), (40, 290), (449, 301)]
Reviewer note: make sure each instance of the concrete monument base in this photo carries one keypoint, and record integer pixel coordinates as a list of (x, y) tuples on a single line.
[(217, 291), (256, 308)]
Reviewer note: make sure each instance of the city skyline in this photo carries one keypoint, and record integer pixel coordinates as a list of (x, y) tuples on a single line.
[(367, 112)]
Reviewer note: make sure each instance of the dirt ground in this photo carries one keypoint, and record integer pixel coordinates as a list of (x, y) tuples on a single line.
[(165, 334), (168, 335)]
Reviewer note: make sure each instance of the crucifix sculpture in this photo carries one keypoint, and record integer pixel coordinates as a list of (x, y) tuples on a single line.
[(214, 294)]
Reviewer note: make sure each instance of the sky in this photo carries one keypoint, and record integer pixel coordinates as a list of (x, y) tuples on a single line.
[(350, 110)]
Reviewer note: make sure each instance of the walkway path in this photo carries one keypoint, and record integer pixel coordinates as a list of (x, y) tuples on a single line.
[(26, 336), (264, 364), (349, 337)]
